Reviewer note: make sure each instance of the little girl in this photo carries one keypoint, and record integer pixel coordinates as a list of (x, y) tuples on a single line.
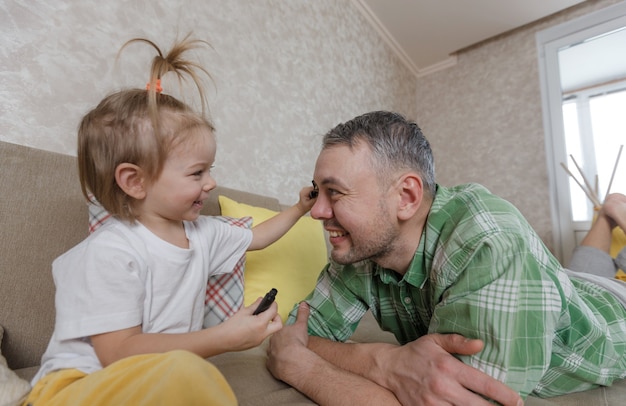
[(130, 297)]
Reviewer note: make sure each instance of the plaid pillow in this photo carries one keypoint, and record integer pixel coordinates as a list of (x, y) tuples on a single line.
[(224, 293), (97, 214)]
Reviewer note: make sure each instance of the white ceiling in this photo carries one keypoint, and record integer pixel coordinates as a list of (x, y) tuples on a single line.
[(425, 33)]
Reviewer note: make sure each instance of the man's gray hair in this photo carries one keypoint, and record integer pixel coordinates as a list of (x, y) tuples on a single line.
[(397, 144)]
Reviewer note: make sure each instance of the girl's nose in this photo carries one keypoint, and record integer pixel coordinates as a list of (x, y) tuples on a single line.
[(209, 184)]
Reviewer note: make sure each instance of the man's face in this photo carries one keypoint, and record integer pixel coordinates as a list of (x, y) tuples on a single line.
[(356, 210)]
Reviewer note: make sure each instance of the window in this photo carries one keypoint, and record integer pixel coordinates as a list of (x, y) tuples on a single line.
[(594, 122), (582, 66)]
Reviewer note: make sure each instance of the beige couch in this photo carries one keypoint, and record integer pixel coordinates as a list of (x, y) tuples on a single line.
[(42, 214)]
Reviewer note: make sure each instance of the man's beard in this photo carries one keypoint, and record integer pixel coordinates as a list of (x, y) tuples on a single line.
[(377, 245)]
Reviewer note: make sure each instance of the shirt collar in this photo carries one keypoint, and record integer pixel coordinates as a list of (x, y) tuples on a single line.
[(415, 275)]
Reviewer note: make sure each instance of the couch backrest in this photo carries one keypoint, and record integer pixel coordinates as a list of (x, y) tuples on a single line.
[(42, 215), (40, 212)]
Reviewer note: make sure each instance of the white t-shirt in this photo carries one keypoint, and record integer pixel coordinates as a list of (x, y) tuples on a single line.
[(123, 276)]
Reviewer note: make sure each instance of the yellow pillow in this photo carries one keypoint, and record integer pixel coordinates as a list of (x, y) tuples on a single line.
[(618, 242), (291, 265)]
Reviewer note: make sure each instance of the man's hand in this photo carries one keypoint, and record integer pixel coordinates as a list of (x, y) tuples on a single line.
[(424, 372), (287, 347), (292, 362)]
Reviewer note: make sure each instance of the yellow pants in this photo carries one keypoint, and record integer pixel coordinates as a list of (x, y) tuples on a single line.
[(173, 378)]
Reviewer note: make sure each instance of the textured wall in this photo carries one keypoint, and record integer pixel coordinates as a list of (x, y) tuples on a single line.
[(484, 119), (284, 72)]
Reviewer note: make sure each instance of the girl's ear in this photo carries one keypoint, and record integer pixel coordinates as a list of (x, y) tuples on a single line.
[(411, 189), (130, 178)]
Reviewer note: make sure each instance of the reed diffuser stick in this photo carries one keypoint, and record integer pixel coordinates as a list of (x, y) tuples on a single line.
[(594, 198), (619, 153), (591, 197)]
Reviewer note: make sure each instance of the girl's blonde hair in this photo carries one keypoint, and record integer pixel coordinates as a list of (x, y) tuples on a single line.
[(138, 126)]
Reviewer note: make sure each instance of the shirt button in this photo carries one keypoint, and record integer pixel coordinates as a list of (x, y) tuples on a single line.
[(407, 300)]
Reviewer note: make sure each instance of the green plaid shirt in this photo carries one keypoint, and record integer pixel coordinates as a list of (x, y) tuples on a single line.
[(481, 271)]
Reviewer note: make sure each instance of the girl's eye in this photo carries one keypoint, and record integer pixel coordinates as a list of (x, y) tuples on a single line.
[(202, 171)]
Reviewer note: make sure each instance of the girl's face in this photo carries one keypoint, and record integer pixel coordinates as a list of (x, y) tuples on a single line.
[(184, 184)]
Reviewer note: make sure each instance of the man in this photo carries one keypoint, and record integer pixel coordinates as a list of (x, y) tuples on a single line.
[(429, 261)]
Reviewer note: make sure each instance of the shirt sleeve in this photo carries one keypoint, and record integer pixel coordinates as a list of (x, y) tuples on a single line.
[(335, 303), (99, 287), (505, 298), (225, 243)]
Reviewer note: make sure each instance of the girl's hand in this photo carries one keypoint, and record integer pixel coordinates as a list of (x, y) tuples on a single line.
[(307, 199), (245, 330)]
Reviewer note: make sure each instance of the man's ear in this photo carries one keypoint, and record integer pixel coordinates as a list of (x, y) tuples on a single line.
[(130, 178), (411, 190)]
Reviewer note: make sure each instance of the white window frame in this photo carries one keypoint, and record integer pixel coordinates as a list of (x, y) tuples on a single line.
[(566, 232)]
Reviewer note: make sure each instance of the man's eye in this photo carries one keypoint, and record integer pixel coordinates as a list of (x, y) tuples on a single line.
[(333, 192)]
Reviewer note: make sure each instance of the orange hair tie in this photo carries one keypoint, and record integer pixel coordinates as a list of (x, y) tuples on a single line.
[(158, 89)]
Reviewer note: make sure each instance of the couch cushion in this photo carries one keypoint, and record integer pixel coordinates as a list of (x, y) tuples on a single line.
[(252, 383), (614, 395)]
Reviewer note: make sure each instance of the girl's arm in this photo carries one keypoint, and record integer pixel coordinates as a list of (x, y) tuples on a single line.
[(272, 229), (242, 331)]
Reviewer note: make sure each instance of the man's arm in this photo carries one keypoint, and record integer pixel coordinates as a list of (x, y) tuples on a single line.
[(292, 362), (422, 372)]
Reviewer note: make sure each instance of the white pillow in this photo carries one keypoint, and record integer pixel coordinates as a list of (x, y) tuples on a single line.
[(13, 389)]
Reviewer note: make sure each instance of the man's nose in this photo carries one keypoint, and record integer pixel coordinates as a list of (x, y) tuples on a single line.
[(321, 209)]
